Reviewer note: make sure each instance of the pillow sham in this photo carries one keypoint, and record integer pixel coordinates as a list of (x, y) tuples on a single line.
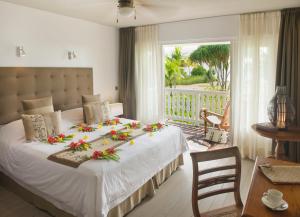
[(53, 123), (73, 116), (93, 113), (35, 127), (91, 98), (86, 99), (40, 126), (38, 106)]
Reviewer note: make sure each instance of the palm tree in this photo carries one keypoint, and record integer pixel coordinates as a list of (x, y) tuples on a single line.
[(217, 59), (174, 67)]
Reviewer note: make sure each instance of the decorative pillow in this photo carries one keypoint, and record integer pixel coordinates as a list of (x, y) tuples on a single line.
[(35, 127), (38, 106), (106, 112), (90, 98), (87, 99), (93, 113), (40, 126), (53, 123), (217, 136)]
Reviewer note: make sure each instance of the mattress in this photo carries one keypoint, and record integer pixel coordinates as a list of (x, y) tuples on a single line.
[(94, 187)]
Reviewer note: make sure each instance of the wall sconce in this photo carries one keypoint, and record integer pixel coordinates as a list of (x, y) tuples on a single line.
[(71, 55), (20, 51)]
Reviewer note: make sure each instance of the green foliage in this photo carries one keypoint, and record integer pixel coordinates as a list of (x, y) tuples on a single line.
[(199, 70), (217, 59), (172, 72), (174, 68), (192, 80)]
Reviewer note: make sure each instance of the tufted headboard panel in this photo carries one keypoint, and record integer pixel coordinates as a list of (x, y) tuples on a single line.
[(65, 85)]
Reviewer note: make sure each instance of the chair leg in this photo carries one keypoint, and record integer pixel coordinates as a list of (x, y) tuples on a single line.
[(205, 122)]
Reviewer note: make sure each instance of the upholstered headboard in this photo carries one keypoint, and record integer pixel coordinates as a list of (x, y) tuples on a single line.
[(65, 85)]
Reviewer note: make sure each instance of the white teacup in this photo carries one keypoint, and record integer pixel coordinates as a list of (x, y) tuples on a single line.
[(274, 197)]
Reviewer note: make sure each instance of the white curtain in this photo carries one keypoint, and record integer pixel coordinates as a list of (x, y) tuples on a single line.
[(254, 80), (149, 77)]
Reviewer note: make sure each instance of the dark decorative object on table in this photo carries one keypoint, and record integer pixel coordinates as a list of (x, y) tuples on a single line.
[(281, 110)]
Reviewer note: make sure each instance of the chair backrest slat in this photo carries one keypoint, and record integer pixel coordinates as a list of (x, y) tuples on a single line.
[(215, 169), (216, 181), (215, 192), (234, 178)]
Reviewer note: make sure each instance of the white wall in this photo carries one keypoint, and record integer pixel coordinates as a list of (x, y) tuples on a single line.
[(47, 37), (200, 30)]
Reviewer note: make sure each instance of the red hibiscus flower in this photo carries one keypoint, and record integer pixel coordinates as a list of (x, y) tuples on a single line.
[(81, 142), (73, 145), (61, 135), (122, 137), (52, 140), (149, 128), (97, 154), (113, 132), (111, 150)]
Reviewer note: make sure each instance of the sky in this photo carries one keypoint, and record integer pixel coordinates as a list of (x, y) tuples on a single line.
[(186, 48)]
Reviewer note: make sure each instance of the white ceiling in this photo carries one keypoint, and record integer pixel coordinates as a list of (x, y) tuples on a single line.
[(153, 11)]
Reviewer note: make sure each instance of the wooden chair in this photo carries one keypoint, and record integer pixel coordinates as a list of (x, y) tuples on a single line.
[(230, 211), (220, 121)]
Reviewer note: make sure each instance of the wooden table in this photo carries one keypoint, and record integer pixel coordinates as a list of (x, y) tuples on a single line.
[(260, 184), (280, 136)]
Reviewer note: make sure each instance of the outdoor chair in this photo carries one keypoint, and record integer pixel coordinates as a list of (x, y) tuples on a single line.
[(222, 122)]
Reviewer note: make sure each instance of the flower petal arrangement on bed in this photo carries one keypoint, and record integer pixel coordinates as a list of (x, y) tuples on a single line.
[(109, 167)]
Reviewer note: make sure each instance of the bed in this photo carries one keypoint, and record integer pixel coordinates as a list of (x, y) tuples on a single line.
[(95, 188)]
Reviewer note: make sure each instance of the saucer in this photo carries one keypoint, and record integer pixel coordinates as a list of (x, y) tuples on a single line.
[(283, 204)]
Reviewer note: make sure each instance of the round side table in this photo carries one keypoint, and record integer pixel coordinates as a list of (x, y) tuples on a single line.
[(280, 136)]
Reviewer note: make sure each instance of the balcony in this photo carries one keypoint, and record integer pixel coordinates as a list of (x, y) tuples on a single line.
[(185, 105)]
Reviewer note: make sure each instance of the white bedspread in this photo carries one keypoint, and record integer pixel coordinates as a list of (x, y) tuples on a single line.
[(94, 187)]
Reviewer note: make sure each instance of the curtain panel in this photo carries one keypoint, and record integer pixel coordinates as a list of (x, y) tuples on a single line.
[(253, 80), (127, 93), (288, 66), (149, 76)]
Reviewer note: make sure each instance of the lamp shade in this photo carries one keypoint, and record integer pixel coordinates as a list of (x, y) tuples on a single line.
[(281, 110)]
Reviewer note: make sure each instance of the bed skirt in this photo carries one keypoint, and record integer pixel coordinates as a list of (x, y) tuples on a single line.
[(147, 190)]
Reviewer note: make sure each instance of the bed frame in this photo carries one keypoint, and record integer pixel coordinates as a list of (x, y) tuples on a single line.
[(65, 85)]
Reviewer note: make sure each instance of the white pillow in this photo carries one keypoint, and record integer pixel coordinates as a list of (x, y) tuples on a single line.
[(71, 117), (12, 133), (74, 116), (106, 112), (217, 136)]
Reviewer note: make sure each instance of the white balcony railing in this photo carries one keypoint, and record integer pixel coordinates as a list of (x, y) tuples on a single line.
[(185, 105)]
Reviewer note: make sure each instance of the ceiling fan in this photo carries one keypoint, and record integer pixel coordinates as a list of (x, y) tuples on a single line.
[(128, 8)]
